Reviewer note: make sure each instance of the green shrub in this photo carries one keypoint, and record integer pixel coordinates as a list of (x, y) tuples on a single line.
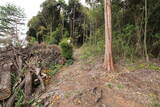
[(69, 62), (54, 69), (91, 50), (67, 49), (94, 46), (56, 36), (123, 43)]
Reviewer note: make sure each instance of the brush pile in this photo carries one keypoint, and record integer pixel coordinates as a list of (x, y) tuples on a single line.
[(26, 65)]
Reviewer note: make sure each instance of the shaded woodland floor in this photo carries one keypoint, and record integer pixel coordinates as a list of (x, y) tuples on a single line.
[(89, 85)]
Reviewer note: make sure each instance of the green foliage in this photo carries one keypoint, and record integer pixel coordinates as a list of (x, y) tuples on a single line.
[(56, 36), (94, 46), (32, 40), (85, 26), (157, 104), (154, 100), (155, 45), (20, 99), (149, 66), (69, 62), (54, 68), (123, 44), (12, 20), (88, 50), (35, 103), (67, 49), (110, 85), (120, 86)]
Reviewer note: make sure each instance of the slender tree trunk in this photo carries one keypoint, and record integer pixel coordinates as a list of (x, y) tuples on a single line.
[(51, 27), (108, 61), (70, 27), (84, 31), (145, 32), (73, 28), (16, 31)]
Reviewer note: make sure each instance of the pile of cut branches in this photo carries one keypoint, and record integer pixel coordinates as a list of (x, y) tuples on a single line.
[(21, 67)]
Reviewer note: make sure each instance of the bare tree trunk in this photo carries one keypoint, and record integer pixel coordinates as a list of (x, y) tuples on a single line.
[(108, 61), (145, 32), (73, 27)]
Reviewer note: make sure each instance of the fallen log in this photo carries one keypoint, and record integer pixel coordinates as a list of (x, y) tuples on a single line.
[(38, 71), (11, 100), (5, 82), (26, 63), (28, 85)]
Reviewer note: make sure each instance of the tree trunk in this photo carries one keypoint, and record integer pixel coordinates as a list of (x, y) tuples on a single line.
[(73, 27), (108, 61), (145, 32), (5, 82)]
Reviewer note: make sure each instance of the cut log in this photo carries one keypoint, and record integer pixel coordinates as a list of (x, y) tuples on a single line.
[(5, 82), (28, 85), (11, 100), (28, 88), (38, 71)]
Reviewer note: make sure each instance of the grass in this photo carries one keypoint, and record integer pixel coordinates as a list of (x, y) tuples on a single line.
[(91, 50), (154, 100), (149, 66), (20, 99), (53, 69), (120, 86), (109, 85)]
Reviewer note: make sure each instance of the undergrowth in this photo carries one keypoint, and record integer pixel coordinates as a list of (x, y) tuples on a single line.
[(92, 50), (148, 66), (154, 100)]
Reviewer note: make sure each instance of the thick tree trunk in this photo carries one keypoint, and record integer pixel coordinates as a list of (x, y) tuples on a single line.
[(108, 61), (5, 82)]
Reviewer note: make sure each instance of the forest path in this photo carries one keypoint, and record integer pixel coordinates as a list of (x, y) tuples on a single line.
[(89, 85)]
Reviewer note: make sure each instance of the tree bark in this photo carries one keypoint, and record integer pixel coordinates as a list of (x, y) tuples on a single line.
[(11, 100), (38, 71), (5, 82), (28, 85), (145, 32), (108, 61)]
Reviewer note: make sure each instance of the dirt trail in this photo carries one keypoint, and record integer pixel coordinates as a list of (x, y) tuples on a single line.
[(89, 85)]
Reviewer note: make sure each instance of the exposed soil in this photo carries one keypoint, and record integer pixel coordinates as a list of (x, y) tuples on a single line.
[(89, 85)]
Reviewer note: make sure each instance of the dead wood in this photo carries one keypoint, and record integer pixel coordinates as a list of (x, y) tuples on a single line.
[(5, 82), (38, 71), (28, 85), (24, 63), (11, 100)]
